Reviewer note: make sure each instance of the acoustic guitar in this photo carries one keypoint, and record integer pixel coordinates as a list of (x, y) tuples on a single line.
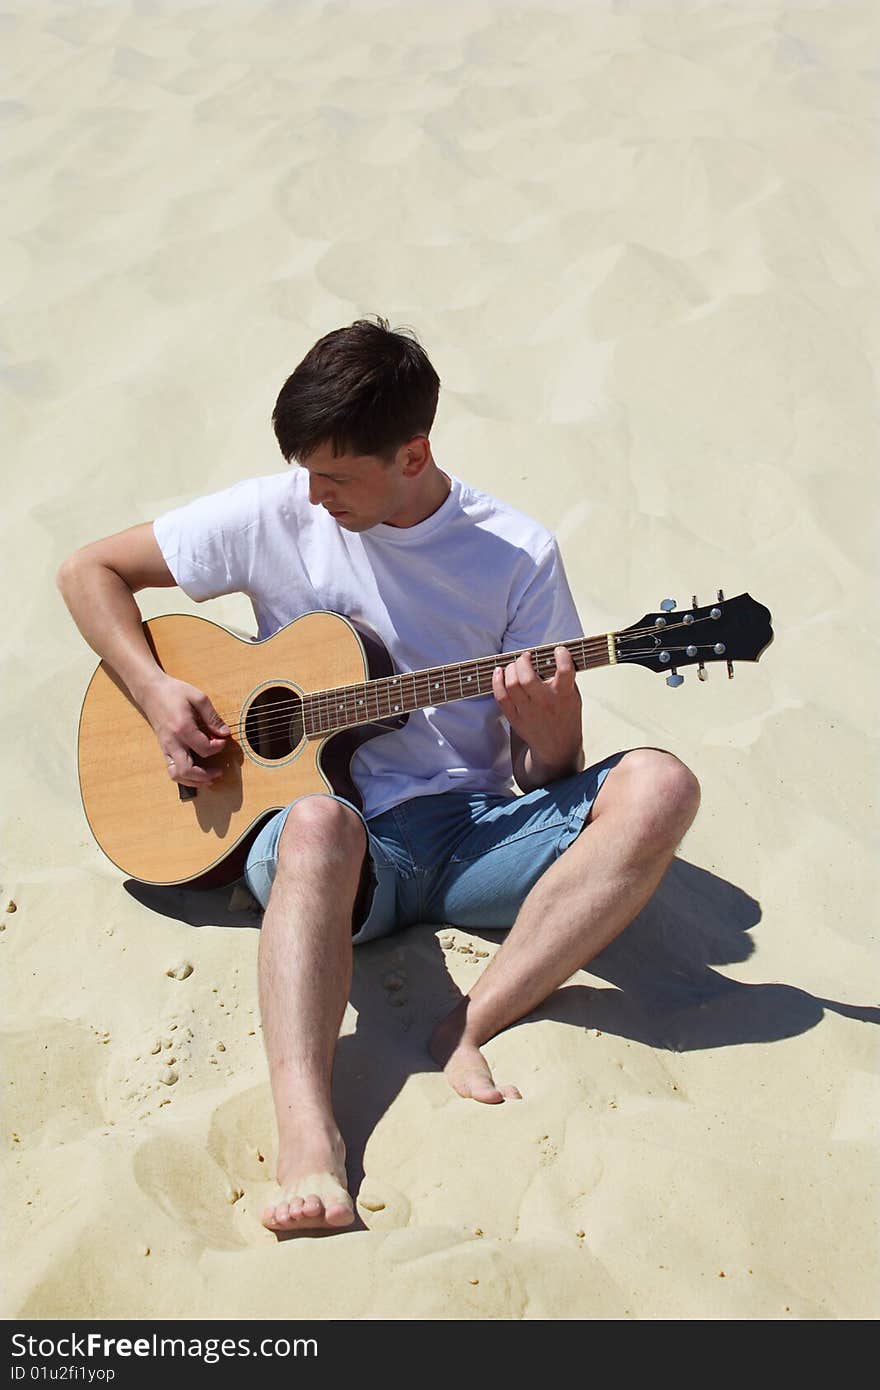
[(298, 705)]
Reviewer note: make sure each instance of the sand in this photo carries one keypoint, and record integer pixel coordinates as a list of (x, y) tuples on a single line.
[(638, 242)]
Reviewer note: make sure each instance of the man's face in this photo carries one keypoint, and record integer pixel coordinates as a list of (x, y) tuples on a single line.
[(359, 490)]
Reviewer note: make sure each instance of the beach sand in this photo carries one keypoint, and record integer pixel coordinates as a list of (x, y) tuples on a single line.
[(639, 244)]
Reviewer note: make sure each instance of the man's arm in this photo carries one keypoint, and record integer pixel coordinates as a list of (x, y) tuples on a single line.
[(98, 584), (546, 738)]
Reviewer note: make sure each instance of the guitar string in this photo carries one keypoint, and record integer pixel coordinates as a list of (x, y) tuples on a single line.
[(321, 706), (279, 726), (319, 703)]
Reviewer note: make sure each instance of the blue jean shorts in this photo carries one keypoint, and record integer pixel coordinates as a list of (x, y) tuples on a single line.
[(465, 859)]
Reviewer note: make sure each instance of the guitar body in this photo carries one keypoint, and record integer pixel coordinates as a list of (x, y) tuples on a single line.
[(136, 812)]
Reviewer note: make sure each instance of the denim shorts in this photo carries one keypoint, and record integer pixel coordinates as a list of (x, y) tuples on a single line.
[(465, 859)]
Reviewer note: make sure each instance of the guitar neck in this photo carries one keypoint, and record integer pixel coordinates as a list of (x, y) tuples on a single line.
[(345, 707)]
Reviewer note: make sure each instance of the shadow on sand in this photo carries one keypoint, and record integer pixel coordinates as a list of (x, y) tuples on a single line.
[(664, 991)]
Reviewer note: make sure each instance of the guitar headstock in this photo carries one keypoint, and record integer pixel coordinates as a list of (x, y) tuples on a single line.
[(731, 629)]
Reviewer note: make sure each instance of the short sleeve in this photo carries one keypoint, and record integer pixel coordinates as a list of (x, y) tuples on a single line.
[(208, 544), (542, 610)]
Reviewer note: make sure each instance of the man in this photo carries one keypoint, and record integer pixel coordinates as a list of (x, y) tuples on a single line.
[(369, 526)]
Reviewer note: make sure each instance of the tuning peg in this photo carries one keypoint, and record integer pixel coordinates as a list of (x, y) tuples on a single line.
[(674, 679), (701, 671), (720, 595), (667, 605), (730, 670)]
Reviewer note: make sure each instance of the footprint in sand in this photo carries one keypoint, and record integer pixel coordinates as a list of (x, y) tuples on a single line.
[(141, 1078), (186, 1183), (394, 983), (63, 1063), (241, 1139), (382, 1207)]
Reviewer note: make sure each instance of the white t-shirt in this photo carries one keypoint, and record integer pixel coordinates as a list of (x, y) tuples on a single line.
[(475, 578)]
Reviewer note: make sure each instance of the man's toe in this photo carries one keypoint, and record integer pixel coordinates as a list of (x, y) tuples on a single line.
[(339, 1214), (486, 1092)]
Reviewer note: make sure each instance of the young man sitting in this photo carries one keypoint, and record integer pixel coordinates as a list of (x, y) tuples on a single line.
[(367, 525)]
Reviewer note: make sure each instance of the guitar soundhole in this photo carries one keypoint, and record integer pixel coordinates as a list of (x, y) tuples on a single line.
[(273, 725)]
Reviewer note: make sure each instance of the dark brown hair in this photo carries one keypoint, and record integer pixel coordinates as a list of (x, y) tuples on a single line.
[(366, 389)]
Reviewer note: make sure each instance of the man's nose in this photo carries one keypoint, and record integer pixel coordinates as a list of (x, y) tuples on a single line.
[(318, 493)]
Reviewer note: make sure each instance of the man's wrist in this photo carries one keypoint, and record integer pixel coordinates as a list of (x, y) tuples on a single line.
[(532, 771), (143, 687)]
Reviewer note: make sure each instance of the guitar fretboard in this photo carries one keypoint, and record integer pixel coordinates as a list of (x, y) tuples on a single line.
[(330, 711)]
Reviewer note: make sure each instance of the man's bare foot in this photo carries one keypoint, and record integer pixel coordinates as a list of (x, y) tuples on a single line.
[(464, 1065), (313, 1185)]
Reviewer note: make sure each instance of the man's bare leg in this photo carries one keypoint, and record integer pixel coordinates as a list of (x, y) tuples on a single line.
[(305, 965), (594, 890)]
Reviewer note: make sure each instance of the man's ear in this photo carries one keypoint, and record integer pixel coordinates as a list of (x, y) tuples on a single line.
[(418, 455)]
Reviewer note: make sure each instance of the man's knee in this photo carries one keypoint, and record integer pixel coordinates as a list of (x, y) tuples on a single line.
[(319, 826), (654, 787)]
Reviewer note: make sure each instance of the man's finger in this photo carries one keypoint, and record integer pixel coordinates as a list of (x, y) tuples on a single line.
[(210, 715), (525, 669), (565, 668), (203, 743), (182, 769), (514, 674), (499, 685), (502, 693), (177, 765), (513, 683)]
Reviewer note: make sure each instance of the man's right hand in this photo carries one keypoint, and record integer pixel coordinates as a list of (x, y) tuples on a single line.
[(185, 723)]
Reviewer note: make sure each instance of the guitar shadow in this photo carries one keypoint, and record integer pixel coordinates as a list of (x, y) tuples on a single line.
[(229, 906), (661, 989)]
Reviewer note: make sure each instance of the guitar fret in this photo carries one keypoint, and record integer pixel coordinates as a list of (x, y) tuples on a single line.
[(391, 692)]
